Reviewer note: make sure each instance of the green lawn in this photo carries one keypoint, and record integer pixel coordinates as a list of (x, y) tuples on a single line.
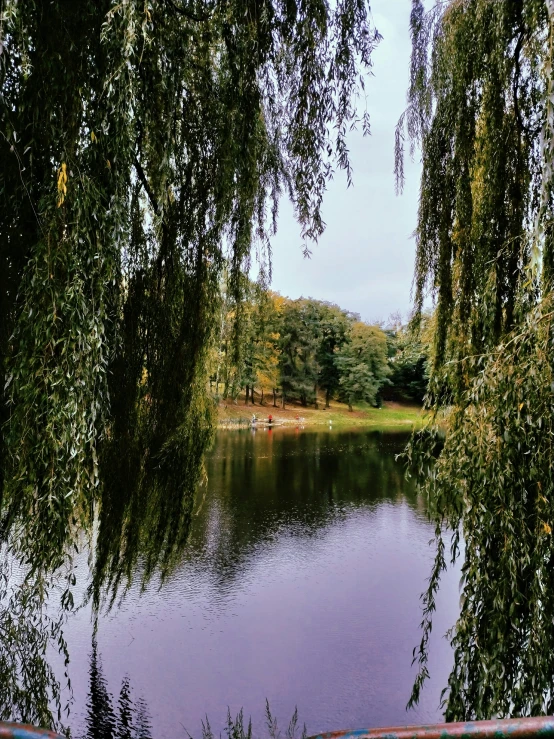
[(391, 414)]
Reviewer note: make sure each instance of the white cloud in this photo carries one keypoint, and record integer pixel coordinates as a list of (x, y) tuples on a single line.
[(364, 261)]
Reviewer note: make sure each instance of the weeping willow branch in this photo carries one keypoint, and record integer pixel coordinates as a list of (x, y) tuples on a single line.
[(188, 13), (154, 138), (147, 188), (481, 81)]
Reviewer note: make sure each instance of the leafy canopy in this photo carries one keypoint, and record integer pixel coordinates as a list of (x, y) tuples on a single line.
[(480, 104), (362, 364), (144, 145)]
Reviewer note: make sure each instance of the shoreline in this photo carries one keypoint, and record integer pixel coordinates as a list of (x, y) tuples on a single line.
[(392, 414)]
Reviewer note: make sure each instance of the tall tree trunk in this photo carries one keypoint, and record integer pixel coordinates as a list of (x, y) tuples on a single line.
[(252, 394), (327, 398), (262, 398), (283, 400), (221, 329), (274, 398), (315, 393), (246, 395)]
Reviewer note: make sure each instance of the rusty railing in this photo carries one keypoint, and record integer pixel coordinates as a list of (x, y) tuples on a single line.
[(510, 728), (541, 727), (25, 731)]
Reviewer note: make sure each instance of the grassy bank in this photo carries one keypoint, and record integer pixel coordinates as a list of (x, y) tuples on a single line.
[(392, 414)]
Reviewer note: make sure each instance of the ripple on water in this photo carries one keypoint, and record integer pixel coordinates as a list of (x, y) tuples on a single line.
[(301, 583)]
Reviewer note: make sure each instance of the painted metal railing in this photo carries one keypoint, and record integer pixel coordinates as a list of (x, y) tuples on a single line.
[(25, 731), (511, 728)]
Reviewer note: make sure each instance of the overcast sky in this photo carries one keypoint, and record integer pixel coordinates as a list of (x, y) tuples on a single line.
[(364, 261)]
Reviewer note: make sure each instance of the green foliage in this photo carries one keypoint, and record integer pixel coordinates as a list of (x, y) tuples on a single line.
[(334, 326), (311, 332), (247, 354), (493, 482), (31, 626), (362, 363), (304, 347), (142, 144), (409, 358), (480, 93), (235, 728), (299, 343), (476, 106)]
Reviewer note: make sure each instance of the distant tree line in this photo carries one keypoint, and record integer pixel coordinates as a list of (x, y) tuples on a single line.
[(276, 350)]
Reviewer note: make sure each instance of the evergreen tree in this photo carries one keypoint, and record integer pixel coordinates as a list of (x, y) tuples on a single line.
[(266, 326), (132, 720), (101, 721), (298, 344), (409, 359), (334, 325), (362, 363), (125, 728), (142, 721)]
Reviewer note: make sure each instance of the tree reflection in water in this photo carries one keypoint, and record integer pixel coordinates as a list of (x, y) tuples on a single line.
[(128, 720), (30, 690), (261, 487)]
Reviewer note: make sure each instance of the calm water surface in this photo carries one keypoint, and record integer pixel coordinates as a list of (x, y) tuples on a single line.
[(301, 583)]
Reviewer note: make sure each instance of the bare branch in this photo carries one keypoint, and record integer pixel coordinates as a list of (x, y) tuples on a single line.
[(147, 188)]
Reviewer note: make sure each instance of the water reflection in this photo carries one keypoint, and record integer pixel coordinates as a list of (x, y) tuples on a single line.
[(299, 583), (105, 720), (32, 690), (266, 484)]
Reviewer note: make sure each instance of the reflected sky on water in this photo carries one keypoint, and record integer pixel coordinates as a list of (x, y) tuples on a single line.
[(300, 583)]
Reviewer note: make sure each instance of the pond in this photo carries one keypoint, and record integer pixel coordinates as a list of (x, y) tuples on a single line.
[(301, 582)]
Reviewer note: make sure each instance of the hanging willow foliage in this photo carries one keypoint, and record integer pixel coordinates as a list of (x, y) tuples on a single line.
[(481, 107), (144, 144)]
